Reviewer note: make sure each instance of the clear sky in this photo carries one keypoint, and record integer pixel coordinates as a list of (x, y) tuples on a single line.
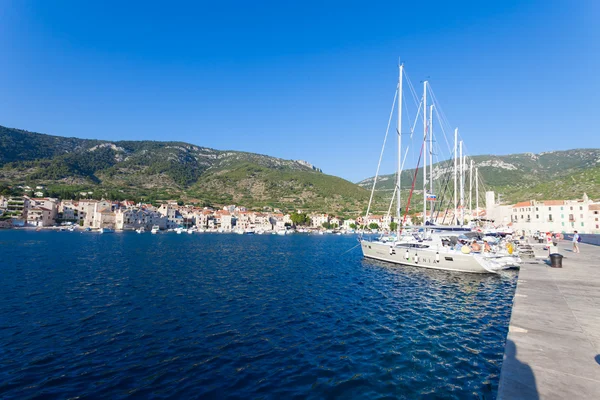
[(300, 79)]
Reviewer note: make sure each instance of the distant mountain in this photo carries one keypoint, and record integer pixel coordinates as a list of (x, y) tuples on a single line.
[(162, 170), (550, 175)]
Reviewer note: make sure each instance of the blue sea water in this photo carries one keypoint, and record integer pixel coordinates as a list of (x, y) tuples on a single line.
[(234, 316)]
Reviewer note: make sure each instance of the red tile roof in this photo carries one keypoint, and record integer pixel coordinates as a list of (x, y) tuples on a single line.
[(554, 202), (524, 204)]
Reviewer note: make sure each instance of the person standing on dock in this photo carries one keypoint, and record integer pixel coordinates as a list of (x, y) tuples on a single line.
[(576, 242)]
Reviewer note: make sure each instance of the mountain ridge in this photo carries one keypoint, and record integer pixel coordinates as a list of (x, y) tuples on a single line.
[(158, 169), (520, 176)]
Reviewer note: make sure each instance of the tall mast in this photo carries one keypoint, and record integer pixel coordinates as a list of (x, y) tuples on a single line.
[(455, 183), (471, 189), (462, 187), (465, 184), (477, 190), (399, 131), (425, 151), (431, 157)]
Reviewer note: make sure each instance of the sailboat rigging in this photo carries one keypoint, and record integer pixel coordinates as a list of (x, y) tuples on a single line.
[(430, 247)]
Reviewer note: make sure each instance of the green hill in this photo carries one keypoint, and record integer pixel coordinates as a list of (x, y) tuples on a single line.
[(163, 170), (516, 177)]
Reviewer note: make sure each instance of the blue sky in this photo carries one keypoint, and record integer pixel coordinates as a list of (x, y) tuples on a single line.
[(301, 80)]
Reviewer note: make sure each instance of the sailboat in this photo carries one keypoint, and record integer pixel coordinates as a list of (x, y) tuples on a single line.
[(431, 248)]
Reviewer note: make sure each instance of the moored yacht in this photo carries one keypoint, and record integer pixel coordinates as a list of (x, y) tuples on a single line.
[(431, 248)]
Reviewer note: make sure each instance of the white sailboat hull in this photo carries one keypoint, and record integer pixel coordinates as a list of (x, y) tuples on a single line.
[(429, 258)]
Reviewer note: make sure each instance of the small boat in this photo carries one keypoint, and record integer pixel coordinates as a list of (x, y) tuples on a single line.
[(282, 232), (106, 230), (155, 229), (140, 230), (179, 231), (249, 232)]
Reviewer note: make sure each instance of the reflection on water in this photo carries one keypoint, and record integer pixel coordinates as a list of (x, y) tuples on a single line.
[(212, 315)]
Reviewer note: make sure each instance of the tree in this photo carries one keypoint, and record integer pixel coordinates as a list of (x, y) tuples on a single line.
[(373, 225), (299, 219), (326, 225), (352, 226), (393, 226)]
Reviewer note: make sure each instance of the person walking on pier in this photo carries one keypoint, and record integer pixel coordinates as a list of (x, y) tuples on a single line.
[(576, 242)]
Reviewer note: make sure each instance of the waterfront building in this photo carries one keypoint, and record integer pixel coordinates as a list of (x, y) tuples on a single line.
[(582, 215), (317, 220), (170, 210), (202, 218), (287, 220), (39, 217), (16, 208), (346, 224), (135, 218), (67, 210), (46, 203), (262, 222)]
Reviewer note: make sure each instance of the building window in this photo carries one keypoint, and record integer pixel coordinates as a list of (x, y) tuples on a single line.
[(563, 224), (582, 224), (571, 208), (561, 209), (549, 217), (580, 215), (580, 208), (536, 209), (549, 208), (537, 216), (562, 215)]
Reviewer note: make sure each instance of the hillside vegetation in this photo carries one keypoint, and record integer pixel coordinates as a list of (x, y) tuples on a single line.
[(516, 177), (163, 170)]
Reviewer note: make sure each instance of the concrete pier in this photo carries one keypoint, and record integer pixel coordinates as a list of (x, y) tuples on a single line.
[(553, 344)]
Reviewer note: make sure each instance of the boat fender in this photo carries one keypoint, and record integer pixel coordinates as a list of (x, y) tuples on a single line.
[(416, 258), (391, 250), (437, 256), (406, 256)]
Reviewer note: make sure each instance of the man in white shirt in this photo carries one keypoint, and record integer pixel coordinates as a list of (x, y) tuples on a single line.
[(576, 242)]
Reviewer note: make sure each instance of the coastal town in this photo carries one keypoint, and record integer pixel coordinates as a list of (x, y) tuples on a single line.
[(526, 217)]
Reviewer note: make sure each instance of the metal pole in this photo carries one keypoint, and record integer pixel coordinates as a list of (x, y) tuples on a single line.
[(471, 189), (425, 151), (399, 131), (477, 190), (431, 157), (455, 170), (462, 186)]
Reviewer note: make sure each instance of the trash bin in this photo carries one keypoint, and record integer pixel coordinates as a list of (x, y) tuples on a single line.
[(556, 260)]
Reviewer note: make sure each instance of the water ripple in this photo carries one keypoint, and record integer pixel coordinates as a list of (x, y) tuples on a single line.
[(229, 316)]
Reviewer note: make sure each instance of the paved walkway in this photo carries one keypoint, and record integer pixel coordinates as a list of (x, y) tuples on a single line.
[(553, 344)]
